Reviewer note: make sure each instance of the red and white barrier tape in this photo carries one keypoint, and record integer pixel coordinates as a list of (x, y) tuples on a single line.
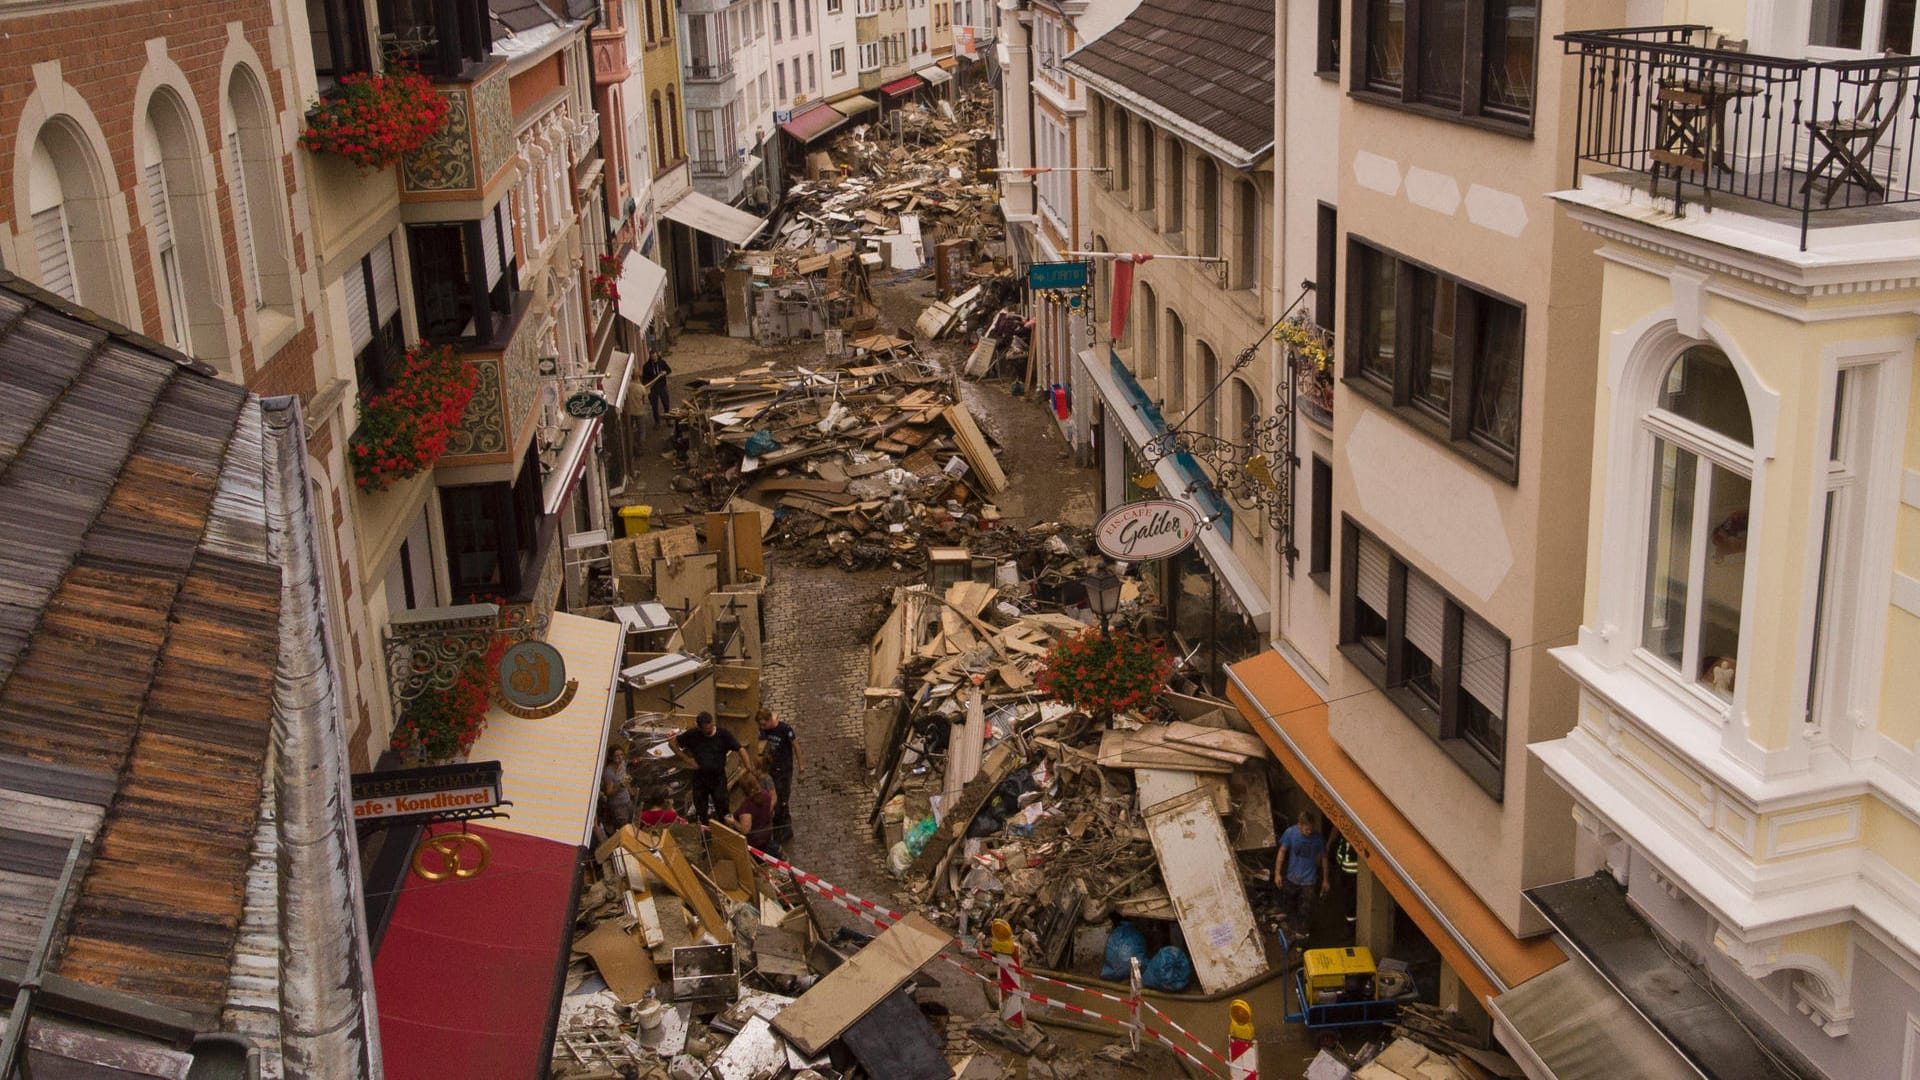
[(883, 917)]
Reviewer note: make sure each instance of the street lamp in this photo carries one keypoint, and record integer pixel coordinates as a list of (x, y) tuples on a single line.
[(1103, 596)]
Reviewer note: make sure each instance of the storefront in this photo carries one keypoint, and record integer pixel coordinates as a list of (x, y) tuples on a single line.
[(470, 965), (1216, 610)]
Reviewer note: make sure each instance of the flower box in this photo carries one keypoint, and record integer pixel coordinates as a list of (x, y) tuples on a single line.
[(404, 428), (374, 120)]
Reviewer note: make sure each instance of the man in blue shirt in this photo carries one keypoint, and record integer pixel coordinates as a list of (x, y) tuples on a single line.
[(1300, 870)]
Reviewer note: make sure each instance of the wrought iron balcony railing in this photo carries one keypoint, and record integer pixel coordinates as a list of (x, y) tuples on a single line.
[(1805, 135), (714, 72)]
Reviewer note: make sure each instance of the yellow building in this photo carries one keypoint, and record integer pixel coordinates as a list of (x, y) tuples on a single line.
[(1744, 763)]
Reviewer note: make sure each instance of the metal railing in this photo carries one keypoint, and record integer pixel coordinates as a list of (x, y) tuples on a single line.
[(1807, 135), (726, 166), (714, 72)]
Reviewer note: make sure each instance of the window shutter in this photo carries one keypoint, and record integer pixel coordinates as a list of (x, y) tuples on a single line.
[(56, 253), (386, 284), (506, 232), (490, 247), (157, 203), (359, 322), (1483, 664), (242, 216), (1371, 585), (1426, 616)]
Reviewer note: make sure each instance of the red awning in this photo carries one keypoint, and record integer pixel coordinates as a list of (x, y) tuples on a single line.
[(814, 123), (469, 972), (901, 86)]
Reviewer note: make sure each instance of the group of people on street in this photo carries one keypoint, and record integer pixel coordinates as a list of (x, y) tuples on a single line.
[(762, 814)]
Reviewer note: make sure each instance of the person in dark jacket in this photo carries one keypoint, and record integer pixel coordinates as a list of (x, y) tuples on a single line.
[(653, 375), (708, 745)]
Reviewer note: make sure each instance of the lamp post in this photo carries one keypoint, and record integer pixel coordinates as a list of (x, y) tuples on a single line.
[(1103, 596)]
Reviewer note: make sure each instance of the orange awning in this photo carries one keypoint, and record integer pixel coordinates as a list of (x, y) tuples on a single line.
[(1292, 720)]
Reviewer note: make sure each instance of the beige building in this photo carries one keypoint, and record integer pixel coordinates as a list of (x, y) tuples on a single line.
[(1188, 181), (1744, 759)]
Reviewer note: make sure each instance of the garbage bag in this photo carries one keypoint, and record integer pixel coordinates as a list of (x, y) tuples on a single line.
[(1124, 943), (985, 823), (761, 442), (899, 858), (917, 836), (1169, 970)]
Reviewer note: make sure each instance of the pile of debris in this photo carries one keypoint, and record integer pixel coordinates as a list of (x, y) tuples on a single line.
[(863, 463), (995, 801), (695, 960), (790, 294)]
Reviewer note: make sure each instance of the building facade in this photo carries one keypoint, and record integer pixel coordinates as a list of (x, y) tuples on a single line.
[(1743, 756)]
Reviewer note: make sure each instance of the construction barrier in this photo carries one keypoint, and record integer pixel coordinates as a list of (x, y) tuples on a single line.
[(1243, 1054), (1011, 978)]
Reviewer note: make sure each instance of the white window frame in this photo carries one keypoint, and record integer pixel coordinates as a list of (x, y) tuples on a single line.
[(837, 60), (1872, 27)]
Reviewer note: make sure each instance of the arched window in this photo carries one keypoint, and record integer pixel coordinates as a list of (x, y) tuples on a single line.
[(253, 163), (1175, 390), (660, 155), (1702, 485), (1246, 409), (1146, 340), (75, 245), (174, 197), (1247, 227), (677, 142), (1206, 206), (1209, 379)]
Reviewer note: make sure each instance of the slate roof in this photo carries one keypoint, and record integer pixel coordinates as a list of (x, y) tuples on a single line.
[(1207, 64), (139, 631)]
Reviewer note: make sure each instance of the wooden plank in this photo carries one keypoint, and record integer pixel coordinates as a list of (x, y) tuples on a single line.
[(622, 959), (821, 1015), (1236, 742), (1202, 879), (683, 583), (1116, 752), (662, 857), (979, 454), (732, 847)]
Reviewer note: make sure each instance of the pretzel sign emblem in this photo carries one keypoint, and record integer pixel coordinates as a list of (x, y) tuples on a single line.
[(445, 855)]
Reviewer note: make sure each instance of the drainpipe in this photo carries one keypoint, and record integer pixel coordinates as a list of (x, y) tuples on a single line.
[(329, 1024)]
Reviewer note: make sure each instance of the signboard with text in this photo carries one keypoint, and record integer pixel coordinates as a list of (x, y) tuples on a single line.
[(1060, 275), (1146, 530), (430, 793)]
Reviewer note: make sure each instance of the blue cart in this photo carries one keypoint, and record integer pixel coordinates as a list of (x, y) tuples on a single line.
[(1340, 964)]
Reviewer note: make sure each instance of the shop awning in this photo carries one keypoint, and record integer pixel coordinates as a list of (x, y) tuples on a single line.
[(855, 104), (1140, 423), (934, 74), (947, 63), (713, 217), (550, 766), (1568, 1024), (1292, 719), (814, 123), (903, 86), (469, 972), (641, 282), (1593, 916)]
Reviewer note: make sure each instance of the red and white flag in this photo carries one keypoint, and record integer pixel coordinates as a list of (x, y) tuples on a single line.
[(1123, 288)]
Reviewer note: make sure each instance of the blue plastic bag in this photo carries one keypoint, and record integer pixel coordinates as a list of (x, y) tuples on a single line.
[(761, 442), (1169, 970), (1124, 943)]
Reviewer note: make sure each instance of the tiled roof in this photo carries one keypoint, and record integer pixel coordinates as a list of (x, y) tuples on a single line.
[(139, 630), (1208, 63)]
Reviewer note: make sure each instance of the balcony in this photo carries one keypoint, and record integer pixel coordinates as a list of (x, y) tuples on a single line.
[(706, 166), (609, 57), (499, 421), (473, 152), (709, 72), (1783, 139)]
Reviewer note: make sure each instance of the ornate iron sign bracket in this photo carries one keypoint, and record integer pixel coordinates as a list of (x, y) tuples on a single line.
[(427, 649)]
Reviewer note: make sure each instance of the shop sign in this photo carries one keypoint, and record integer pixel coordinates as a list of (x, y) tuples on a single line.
[(427, 794), (1147, 530), (533, 681), (586, 405), (1058, 275)]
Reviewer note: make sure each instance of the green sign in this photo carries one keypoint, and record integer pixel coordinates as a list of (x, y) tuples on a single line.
[(1060, 275), (586, 405)]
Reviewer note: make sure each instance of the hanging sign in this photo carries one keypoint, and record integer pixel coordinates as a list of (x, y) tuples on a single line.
[(1147, 530), (1059, 275), (586, 405), (427, 794), (533, 681)]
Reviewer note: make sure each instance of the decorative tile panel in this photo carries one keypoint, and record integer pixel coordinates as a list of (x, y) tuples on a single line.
[(445, 163), (483, 427), (492, 125)]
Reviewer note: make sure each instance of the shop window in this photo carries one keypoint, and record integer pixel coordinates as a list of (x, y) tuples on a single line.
[(1462, 58), (1445, 355), (1442, 665), (1701, 491)]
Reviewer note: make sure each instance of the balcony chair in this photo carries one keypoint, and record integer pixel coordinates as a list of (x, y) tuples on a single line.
[(1849, 143)]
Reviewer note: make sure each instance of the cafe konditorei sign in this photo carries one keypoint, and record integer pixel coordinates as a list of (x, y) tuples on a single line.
[(533, 681), (427, 794), (1147, 530)]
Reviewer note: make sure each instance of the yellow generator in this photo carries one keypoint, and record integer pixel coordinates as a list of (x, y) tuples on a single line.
[(1337, 975)]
